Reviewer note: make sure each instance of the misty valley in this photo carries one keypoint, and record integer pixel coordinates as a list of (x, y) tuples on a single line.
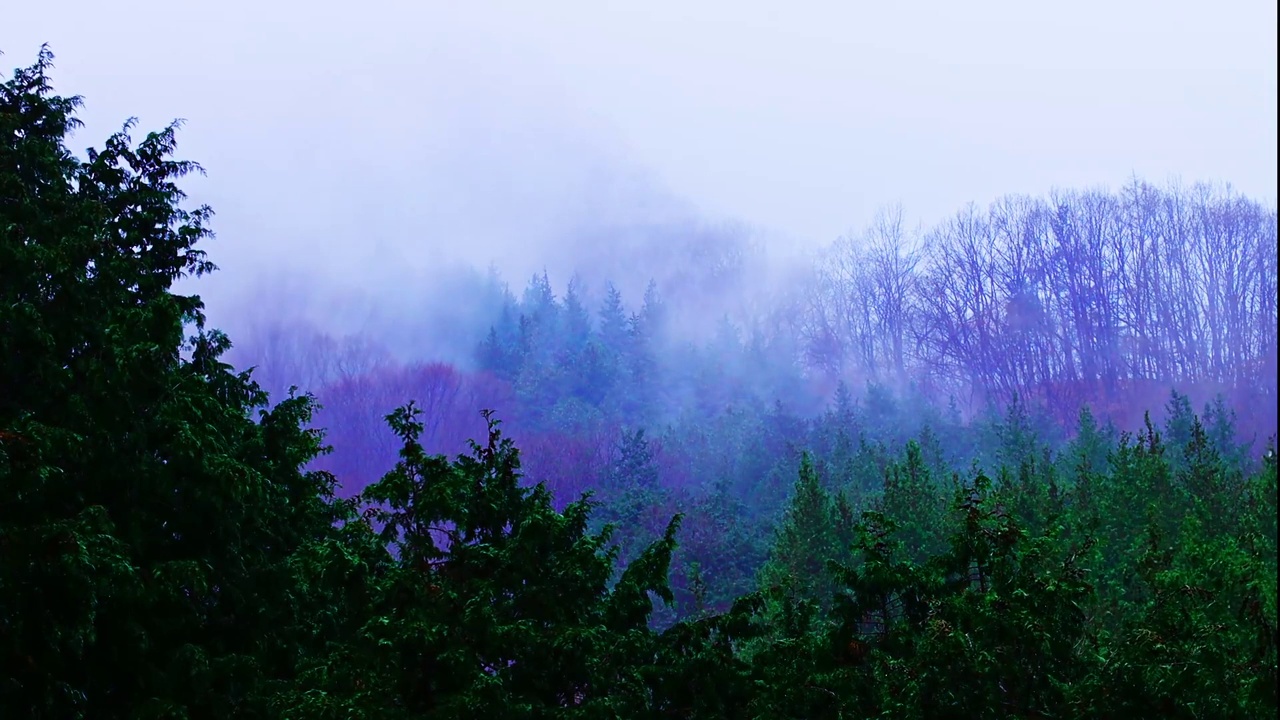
[(1016, 464)]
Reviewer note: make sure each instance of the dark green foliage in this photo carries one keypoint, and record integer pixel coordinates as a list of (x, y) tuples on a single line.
[(916, 499), (491, 602), (806, 541), (719, 554), (148, 523), (632, 494)]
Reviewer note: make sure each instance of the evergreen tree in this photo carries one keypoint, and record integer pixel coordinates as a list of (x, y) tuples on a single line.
[(149, 524), (1220, 427), (496, 604), (505, 347), (614, 327), (806, 541), (631, 494), (1179, 417), (653, 312), (915, 502), (576, 322)]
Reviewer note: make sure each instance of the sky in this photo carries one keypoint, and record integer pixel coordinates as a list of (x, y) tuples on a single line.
[(357, 142)]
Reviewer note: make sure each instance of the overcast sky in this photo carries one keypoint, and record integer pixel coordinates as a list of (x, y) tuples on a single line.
[(385, 134)]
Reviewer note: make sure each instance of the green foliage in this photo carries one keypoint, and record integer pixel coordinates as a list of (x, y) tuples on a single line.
[(631, 495), (491, 602), (719, 554), (806, 541), (915, 500), (149, 522)]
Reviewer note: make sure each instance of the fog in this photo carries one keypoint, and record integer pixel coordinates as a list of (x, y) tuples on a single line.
[(937, 200), (351, 142)]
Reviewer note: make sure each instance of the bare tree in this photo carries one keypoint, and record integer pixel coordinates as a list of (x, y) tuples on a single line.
[(892, 257), (1075, 298)]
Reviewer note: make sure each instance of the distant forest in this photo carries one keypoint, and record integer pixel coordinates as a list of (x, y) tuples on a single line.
[(1021, 464)]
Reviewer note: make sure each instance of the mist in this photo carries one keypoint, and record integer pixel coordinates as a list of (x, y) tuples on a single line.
[(785, 205), (346, 142), (864, 338)]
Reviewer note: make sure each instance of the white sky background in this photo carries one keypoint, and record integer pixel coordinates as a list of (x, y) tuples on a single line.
[(359, 139)]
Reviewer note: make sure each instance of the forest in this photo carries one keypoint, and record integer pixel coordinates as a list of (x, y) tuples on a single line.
[(1018, 465)]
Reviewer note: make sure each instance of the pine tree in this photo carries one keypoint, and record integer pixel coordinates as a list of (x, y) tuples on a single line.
[(806, 540), (149, 524), (496, 605), (631, 494), (576, 322), (614, 328), (916, 503)]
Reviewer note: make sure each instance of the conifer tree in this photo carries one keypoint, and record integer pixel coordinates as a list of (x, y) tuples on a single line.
[(806, 540), (148, 524)]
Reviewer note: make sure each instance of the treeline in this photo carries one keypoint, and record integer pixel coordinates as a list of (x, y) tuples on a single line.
[(601, 398), (165, 552), (1081, 296), (1109, 299)]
